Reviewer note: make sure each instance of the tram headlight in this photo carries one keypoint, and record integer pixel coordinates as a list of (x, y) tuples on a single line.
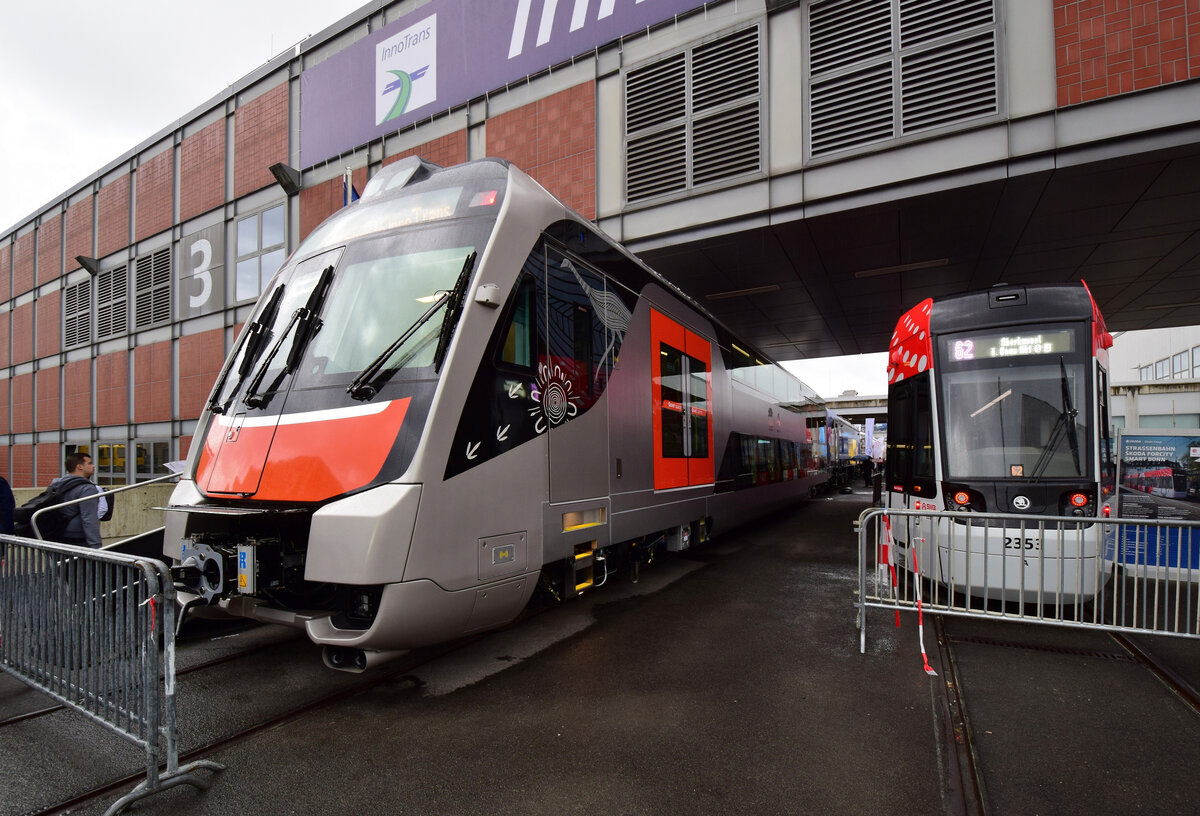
[(1077, 504), (962, 500)]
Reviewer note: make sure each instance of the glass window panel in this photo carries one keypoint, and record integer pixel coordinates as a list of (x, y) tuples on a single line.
[(272, 227), (271, 261), (671, 361), (247, 236), (247, 280)]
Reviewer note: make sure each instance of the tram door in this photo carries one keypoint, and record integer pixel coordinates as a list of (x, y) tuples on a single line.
[(681, 366), (573, 377)]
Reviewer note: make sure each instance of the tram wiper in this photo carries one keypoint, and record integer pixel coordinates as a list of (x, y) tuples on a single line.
[(256, 337), (1064, 426), (306, 323), (363, 388)]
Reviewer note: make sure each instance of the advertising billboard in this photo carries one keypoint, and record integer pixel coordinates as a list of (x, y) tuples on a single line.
[(448, 52)]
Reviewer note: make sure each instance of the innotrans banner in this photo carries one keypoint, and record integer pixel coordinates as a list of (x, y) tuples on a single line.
[(448, 52)]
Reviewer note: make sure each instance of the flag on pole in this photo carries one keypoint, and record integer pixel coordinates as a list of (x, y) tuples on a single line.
[(349, 194)]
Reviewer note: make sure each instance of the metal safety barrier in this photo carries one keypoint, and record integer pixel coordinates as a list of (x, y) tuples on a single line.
[(96, 631), (1119, 574)]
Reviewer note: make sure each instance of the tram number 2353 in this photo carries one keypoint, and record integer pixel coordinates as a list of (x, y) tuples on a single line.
[(1017, 543)]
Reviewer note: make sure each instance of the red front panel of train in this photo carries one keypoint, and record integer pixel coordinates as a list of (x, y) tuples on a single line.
[(308, 456)]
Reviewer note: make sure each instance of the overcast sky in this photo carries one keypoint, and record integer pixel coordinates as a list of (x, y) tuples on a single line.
[(81, 83)]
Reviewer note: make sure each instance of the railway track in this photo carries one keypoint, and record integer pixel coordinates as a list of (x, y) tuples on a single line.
[(974, 781)]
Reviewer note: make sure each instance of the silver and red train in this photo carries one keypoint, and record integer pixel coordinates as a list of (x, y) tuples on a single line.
[(998, 404), (455, 393)]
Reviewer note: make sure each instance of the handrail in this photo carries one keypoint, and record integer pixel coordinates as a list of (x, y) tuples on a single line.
[(33, 520)]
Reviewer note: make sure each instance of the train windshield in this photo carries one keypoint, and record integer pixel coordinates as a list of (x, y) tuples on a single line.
[(1016, 405)]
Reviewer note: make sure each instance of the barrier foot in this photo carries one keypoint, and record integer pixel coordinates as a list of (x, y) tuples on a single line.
[(148, 787)]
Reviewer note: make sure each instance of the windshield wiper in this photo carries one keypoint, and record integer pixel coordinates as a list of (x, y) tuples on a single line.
[(307, 323), (256, 336), (1064, 426), (454, 307), (362, 387)]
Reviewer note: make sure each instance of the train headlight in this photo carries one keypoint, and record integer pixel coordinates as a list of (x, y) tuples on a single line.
[(1079, 500), (961, 498)]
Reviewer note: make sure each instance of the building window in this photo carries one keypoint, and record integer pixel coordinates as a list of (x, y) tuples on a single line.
[(112, 303), (694, 118), (1196, 362), (880, 70), (151, 458), (110, 463), (1147, 373), (1179, 366), (77, 314), (152, 289), (1162, 369), (261, 250)]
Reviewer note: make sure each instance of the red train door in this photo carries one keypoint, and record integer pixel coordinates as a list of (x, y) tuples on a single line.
[(681, 368)]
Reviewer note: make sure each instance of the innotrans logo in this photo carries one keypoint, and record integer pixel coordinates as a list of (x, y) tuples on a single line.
[(406, 71)]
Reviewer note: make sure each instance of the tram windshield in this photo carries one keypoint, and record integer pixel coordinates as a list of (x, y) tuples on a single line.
[(1016, 405)]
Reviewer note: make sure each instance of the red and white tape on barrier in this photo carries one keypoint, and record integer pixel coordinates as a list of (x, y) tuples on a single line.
[(887, 548)]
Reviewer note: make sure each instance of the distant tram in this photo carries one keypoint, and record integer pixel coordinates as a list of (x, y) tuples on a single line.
[(998, 403)]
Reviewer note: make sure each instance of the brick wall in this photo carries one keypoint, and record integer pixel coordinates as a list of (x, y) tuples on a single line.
[(554, 141), (22, 466), (78, 238), (260, 139), (112, 216), (49, 463), (49, 398), (202, 171), (200, 360), (112, 389), (5, 322), (320, 201), (22, 334), (5, 417), (22, 403), (155, 185), (77, 394), (446, 151), (1109, 47), (49, 250), (152, 382), (23, 264), (49, 324)]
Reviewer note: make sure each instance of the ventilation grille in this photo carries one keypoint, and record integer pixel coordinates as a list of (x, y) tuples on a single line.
[(882, 69), (152, 289), (112, 303), (695, 117), (77, 314), (925, 20), (949, 84), (848, 33)]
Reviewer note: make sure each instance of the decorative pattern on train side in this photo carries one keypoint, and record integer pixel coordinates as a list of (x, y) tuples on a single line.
[(911, 349), (548, 361)]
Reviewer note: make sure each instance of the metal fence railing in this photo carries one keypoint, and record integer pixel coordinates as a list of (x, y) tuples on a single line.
[(1118, 574), (95, 630)]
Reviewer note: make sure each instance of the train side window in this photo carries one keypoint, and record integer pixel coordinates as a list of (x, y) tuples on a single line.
[(518, 339), (698, 407)]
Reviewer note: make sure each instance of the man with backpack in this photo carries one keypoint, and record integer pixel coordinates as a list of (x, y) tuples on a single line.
[(82, 525)]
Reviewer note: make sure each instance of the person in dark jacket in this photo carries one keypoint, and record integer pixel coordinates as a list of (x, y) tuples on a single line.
[(7, 505), (83, 521)]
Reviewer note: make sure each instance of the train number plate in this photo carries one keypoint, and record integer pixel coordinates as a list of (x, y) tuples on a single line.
[(1022, 543)]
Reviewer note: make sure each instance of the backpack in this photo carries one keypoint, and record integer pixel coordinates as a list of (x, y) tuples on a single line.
[(53, 523)]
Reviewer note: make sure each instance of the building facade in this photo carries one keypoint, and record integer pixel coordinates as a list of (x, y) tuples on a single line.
[(661, 120)]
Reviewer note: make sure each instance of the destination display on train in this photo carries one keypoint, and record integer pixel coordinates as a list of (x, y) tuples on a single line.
[(964, 347)]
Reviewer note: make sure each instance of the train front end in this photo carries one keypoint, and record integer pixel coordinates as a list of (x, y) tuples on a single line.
[(1016, 443), (302, 488)]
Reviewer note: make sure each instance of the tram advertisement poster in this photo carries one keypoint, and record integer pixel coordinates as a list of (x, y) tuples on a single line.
[(1158, 479)]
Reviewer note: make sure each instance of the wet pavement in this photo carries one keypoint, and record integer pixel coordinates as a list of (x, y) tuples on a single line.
[(727, 680)]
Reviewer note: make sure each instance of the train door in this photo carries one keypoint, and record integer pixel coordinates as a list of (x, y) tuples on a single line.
[(681, 368), (573, 376)]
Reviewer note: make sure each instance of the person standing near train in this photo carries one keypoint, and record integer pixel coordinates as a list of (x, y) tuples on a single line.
[(83, 519)]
